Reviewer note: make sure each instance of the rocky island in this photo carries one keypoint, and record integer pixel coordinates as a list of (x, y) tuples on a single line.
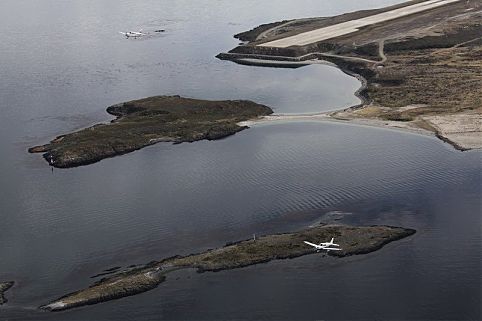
[(147, 121), (420, 63), (4, 287), (352, 239)]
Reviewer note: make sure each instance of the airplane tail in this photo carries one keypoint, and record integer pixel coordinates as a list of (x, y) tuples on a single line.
[(332, 240)]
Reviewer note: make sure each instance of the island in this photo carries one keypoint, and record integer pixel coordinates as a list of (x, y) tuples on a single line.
[(419, 62), (353, 240), (147, 121), (4, 287)]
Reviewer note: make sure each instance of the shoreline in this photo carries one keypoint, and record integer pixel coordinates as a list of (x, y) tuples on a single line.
[(327, 117), (396, 62), (332, 116)]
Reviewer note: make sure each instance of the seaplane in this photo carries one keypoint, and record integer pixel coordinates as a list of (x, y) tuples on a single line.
[(133, 34), (327, 246)]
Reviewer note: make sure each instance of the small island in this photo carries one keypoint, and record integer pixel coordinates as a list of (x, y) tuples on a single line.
[(147, 121), (4, 287), (353, 240)]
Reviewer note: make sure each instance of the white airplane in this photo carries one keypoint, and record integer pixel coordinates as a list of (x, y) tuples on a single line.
[(134, 34), (328, 246)]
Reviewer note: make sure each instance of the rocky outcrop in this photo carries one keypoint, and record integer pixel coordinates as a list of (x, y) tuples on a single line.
[(4, 287)]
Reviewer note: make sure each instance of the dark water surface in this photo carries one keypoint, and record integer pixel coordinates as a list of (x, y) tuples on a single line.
[(63, 62)]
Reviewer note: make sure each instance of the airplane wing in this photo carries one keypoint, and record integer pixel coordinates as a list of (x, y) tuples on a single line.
[(312, 244), (332, 249)]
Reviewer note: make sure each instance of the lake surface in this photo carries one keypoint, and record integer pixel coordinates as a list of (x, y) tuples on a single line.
[(62, 63)]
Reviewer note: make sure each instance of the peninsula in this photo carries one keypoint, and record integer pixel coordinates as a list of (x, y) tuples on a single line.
[(352, 239), (147, 121), (4, 287), (420, 63)]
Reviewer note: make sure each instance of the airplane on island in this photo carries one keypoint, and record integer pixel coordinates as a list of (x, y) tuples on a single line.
[(133, 34), (328, 246)]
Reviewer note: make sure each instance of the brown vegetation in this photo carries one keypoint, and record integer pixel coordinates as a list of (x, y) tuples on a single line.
[(147, 121), (353, 240)]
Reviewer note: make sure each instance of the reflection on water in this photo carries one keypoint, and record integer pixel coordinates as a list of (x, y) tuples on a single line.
[(268, 179), (60, 227)]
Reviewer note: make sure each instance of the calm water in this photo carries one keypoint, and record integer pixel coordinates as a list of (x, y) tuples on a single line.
[(63, 62)]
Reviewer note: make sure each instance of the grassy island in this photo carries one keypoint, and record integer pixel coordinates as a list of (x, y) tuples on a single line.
[(147, 121), (352, 239)]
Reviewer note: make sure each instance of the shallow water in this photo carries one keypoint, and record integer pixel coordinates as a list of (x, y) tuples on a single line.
[(63, 64)]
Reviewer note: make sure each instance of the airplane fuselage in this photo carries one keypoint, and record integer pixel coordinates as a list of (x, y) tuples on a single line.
[(328, 246), (133, 34)]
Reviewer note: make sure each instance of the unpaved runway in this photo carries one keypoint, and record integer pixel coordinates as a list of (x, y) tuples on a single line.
[(347, 27)]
